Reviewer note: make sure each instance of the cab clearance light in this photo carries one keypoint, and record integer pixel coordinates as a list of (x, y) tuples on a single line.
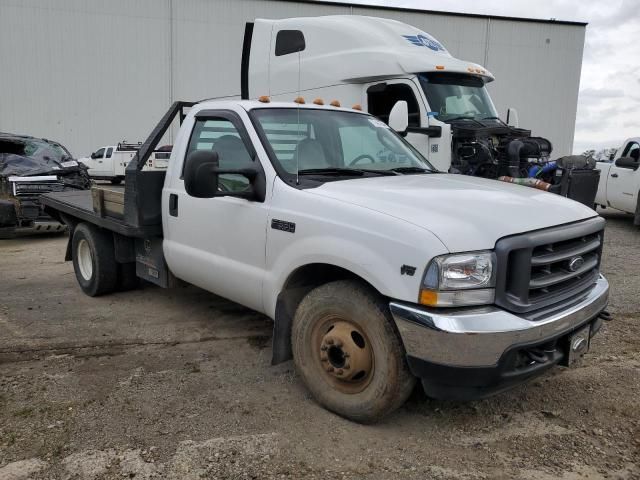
[(264, 99), (299, 100), (439, 67), (318, 101), (335, 103), (357, 106), (470, 69)]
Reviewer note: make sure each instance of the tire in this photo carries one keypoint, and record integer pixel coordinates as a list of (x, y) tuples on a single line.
[(116, 181), (94, 260), (345, 324), (127, 278)]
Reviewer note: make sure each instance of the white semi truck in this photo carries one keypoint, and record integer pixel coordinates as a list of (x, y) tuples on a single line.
[(375, 275), (378, 64), (619, 185)]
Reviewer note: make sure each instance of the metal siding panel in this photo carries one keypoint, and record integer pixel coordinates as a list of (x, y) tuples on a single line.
[(85, 73), (539, 79)]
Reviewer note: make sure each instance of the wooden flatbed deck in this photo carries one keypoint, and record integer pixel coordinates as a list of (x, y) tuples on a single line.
[(79, 204)]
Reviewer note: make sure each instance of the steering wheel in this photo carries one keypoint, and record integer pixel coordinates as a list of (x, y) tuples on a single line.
[(361, 157)]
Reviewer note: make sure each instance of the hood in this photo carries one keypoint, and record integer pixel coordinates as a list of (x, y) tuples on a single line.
[(465, 213)]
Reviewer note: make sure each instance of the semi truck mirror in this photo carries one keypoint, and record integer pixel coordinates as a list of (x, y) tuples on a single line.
[(399, 116), (512, 118), (627, 162), (200, 174)]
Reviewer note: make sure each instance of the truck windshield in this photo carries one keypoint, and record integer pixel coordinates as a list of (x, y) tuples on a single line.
[(456, 96), (314, 141)]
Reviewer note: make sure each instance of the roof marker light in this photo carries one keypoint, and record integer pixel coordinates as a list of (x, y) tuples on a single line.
[(335, 103), (357, 106), (299, 100), (264, 99), (439, 67), (318, 101), (470, 69)]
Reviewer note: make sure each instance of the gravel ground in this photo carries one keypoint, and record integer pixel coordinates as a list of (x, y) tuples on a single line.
[(177, 384)]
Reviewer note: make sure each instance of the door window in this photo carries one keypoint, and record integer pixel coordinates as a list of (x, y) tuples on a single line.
[(633, 151), (221, 136), (109, 151), (100, 153), (382, 97)]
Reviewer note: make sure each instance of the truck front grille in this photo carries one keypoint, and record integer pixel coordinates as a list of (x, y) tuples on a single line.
[(28, 189), (544, 267)]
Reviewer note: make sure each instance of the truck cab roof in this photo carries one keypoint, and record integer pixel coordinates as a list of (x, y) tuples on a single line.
[(249, 105), (361, 48)]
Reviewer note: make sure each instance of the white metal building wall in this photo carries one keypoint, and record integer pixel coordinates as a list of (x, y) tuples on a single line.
[(90, 72)]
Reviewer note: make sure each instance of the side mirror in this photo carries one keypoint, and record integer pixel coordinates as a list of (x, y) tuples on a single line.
[(200, 174), (399, 116), (93, 155), (512, 118), (627, 162)]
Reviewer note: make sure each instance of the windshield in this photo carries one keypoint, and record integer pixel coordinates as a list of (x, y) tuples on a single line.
[(317, 139), (456, 96)]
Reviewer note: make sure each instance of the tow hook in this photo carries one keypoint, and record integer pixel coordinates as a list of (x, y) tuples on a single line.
[(606, 315)]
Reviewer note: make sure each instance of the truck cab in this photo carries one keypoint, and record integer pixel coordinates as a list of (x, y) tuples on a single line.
[(376, 63), (619, 185)]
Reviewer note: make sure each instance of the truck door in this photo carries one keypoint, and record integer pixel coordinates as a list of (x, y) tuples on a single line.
[(218, 243), (382, 96), (623, 183), (97, 163)]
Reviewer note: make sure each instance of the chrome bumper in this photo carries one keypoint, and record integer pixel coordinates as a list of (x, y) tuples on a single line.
[(477, 337)]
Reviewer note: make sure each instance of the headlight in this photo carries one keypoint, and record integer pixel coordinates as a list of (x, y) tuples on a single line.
[(459, 280)]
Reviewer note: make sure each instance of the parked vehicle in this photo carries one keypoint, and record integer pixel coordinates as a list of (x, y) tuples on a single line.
[(109, 163), (619, 185), (373, 276), (31, 166), (378, 64)]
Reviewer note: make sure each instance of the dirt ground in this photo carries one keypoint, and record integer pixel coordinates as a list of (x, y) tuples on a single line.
[(178, 384)]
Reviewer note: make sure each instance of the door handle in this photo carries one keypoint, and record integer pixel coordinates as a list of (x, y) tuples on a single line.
[(614, 175), (173, 205)]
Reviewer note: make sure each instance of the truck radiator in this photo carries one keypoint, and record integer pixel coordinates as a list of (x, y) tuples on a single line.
[(546, 267)]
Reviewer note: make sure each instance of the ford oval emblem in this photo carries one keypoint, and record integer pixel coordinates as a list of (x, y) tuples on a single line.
[(576, 264)]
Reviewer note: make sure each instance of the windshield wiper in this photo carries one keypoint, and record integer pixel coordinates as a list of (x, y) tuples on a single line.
[(412, 170), (494, 118), (358, 172)]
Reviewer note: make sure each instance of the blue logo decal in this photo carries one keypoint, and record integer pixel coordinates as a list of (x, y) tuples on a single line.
[(422, 41)]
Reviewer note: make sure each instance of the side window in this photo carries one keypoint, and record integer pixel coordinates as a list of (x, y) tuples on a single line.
[(100, 153), (289, 41), (382, 97), (633, 151), (221, 136), (109, 151)]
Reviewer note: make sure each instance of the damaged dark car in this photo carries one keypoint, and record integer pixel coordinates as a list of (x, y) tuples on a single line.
[(29, 167)]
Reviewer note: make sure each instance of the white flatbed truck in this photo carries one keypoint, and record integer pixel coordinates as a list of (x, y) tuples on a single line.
[(373, 277)]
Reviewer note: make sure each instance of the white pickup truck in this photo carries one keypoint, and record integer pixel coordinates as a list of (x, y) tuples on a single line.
[(110, 162), (620, 180), (374, 276)]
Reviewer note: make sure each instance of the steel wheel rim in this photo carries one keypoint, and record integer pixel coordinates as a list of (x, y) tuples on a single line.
[(85, 259), (344, 354)]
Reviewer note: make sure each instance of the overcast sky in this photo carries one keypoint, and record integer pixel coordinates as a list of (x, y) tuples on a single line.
[(609, 101)]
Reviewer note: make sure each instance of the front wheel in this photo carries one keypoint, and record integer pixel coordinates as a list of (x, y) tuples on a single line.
[(94, 260), (348, 353)]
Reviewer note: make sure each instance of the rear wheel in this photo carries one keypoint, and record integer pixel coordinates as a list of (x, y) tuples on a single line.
[(94, 260), (116, 181), (348, 353)]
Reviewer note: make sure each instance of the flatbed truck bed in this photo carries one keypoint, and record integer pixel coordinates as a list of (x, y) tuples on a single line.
[(80, 204)]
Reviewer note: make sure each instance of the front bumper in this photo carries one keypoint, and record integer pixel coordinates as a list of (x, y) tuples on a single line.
[(474, 352)]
